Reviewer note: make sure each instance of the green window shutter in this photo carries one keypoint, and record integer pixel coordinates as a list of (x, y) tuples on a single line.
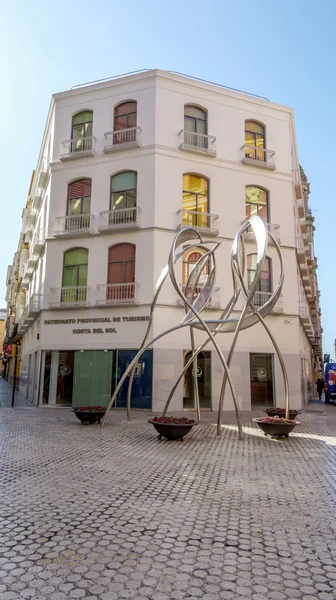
[(83, 117), (124, 181), (77, 256)]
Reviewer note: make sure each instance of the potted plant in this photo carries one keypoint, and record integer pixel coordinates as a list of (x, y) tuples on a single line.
[(89, 414), (274, 411), (276, 426), (172, 428)]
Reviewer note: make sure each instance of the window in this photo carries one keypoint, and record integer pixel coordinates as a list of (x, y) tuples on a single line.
[(195, 126), (79, 204), (195, 201), (256, 203), (81, 132), (75, 270), (125, 122), (255, 140), (123, 191), (189, 261), (125, 116), (264, 288), (121, 272)]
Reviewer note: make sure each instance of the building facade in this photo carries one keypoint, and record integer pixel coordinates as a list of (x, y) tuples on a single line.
[(123, 165)]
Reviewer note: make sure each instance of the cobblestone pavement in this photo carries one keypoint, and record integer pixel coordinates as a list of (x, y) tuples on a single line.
[(113, 514)]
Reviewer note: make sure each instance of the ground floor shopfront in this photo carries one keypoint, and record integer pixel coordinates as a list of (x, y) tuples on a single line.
[(89, 377), (78, 357)]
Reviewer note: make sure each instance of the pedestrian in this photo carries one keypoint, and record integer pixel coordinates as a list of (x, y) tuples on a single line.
[(319, 386)]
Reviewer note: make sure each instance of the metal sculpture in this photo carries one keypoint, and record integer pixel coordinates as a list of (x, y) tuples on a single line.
[(196, 296)]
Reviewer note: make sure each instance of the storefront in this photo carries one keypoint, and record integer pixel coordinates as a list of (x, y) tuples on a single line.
[(89, 377)]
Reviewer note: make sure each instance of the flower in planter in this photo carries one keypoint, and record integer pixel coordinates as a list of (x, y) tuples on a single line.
[(275, 420), (173, 420), (275, 410), (89, 409)]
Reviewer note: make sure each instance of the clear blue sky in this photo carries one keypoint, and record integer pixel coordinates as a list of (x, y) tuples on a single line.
[(282, 50)]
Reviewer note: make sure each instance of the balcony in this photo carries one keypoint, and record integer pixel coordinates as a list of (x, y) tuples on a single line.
[(74, 225), (258, 157), (80, 148), (122, 139), (70, 297), (303, 226), (305, 317), (35, 305), (301, 208), (38, 241), (122, 218), (30, 313), (297, 184), (260, 298), (197, 142), (271, 227), (117, 293), (203, 222), (213, 303)]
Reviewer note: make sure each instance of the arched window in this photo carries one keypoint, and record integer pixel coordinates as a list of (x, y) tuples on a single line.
[(189, 261), (79, 204), (264, 288), (195, 126), (255, 141), (81, 131), (121, 272), (123, 191), (256, 202), (125, 122), (75, 269), (195, 201)]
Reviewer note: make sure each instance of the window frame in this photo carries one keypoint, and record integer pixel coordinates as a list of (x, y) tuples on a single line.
[(124, 192), (126, 114), (267, 205)]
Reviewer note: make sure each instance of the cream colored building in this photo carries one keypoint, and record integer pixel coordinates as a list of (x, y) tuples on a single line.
[(124, 163)]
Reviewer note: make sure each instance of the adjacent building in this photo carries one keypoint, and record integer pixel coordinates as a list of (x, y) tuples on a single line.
[(125, 163)]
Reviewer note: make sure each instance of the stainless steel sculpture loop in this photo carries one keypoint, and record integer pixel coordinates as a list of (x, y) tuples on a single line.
[(196, 295)]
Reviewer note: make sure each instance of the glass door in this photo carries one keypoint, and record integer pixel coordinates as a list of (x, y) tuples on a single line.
[(203, 374), (141, 396), (261, 378)]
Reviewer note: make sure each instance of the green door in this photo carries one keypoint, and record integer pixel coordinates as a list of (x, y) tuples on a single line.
[(93, 378)]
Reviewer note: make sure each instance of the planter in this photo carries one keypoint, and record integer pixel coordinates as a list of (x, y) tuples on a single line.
[(89, 415), (173, 430), (280, 412), (276, 427)]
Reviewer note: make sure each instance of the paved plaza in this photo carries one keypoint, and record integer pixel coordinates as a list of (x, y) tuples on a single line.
[(113, 514)]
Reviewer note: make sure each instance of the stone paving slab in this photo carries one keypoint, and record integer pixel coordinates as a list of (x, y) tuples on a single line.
[(114, 513)]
